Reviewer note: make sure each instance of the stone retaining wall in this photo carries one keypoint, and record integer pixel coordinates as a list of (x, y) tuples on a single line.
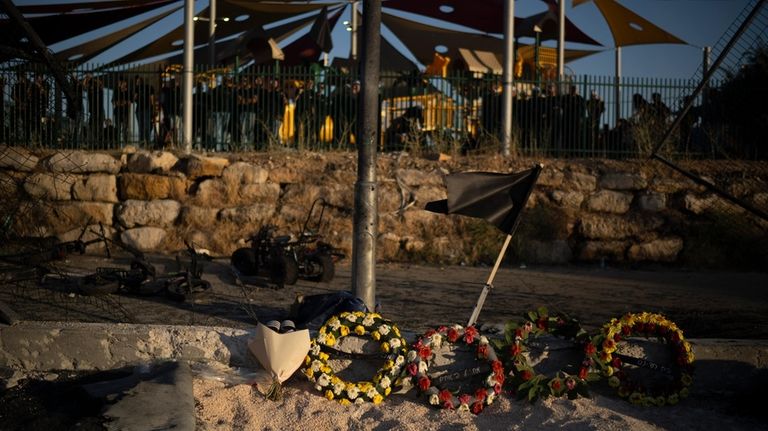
[(581, 210)]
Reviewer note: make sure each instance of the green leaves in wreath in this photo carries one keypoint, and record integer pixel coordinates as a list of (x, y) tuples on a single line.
[(517, 340)]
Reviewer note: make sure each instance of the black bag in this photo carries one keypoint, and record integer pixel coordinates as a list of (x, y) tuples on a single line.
[(313, 310)]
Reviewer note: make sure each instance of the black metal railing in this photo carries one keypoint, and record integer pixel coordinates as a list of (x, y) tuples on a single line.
[(257, 109)]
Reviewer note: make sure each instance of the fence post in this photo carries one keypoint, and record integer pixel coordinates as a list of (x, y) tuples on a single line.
[(618, 83)]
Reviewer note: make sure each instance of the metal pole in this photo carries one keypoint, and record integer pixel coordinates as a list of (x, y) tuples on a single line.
[(536, 65), (365, 218), (706, 63), (212, 33), (618, 83), (509, 67), (353, 33), (561, 40), (188, 73)]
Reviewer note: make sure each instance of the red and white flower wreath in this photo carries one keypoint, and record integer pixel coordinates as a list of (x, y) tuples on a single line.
[(422, 355)]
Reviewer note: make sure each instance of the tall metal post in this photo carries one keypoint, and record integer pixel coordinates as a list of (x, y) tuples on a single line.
[(561, 40), (536, 65), (617, 80), (366, 208), (509, 67), (212, 33), (705, 65), (188, 73), (353, 42)]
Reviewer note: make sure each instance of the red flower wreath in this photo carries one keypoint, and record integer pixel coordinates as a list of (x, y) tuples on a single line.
[(422, 354), (527, 383), (601, 355)]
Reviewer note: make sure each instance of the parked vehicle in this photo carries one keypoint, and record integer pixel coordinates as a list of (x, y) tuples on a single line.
[(284, 259)]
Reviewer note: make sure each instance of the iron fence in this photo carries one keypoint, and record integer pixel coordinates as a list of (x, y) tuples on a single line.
[(316, 109)]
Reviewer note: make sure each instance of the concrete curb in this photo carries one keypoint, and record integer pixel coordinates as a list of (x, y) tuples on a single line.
[(722, 365)]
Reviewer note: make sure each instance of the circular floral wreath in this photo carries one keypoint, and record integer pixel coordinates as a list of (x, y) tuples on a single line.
[(316, 366), (527, 383), (601, 356), (422, 355)]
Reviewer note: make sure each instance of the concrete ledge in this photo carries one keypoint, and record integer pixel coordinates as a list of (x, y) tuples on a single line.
[(722, 366), (43, 346)]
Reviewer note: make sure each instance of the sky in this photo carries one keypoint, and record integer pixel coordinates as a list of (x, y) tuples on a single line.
[(698, 22)]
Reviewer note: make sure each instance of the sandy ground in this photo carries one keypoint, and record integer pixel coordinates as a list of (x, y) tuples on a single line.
[(705, 305), (240, 407)]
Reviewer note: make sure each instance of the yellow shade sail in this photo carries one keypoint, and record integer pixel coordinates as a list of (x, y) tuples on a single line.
[(629, 28)]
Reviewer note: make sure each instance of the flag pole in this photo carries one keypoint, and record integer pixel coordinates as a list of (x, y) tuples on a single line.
[(489, 284)]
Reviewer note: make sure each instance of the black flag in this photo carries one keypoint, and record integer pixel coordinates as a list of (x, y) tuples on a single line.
[(497, 198), (320, 32)]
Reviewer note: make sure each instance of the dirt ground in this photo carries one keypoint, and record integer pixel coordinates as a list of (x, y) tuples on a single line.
[(703, 304)]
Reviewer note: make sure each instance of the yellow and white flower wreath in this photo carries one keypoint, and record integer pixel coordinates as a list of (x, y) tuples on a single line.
[(316, 366)]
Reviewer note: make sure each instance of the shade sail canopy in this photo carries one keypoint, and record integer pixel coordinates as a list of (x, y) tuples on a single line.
[(59, 27), (391, 59), (491, 62), (486, 16), (481, 50), (252, 45), (548, 55), (61, 8), (481, 53), (546, 24), (423, 40), (629, 28), (86, 51), (489, 18), (258, 14)]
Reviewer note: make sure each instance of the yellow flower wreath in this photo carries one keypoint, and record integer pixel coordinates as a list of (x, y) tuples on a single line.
[(317, 370)]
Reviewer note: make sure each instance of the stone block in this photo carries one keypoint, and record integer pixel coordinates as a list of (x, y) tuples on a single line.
[(196, 167), (580, 181), (550, 177), (145, 162), (598, 250), (699, 204), (607, 227), (50, 186), (244, 173), (212, 193), (17, 159), (81, 162), (652, 202), (571, 200), (144, 238), (96, 187), (159, 213), (65, 216), (623, 181), (660, 250), (147, 187), (610, 202)]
